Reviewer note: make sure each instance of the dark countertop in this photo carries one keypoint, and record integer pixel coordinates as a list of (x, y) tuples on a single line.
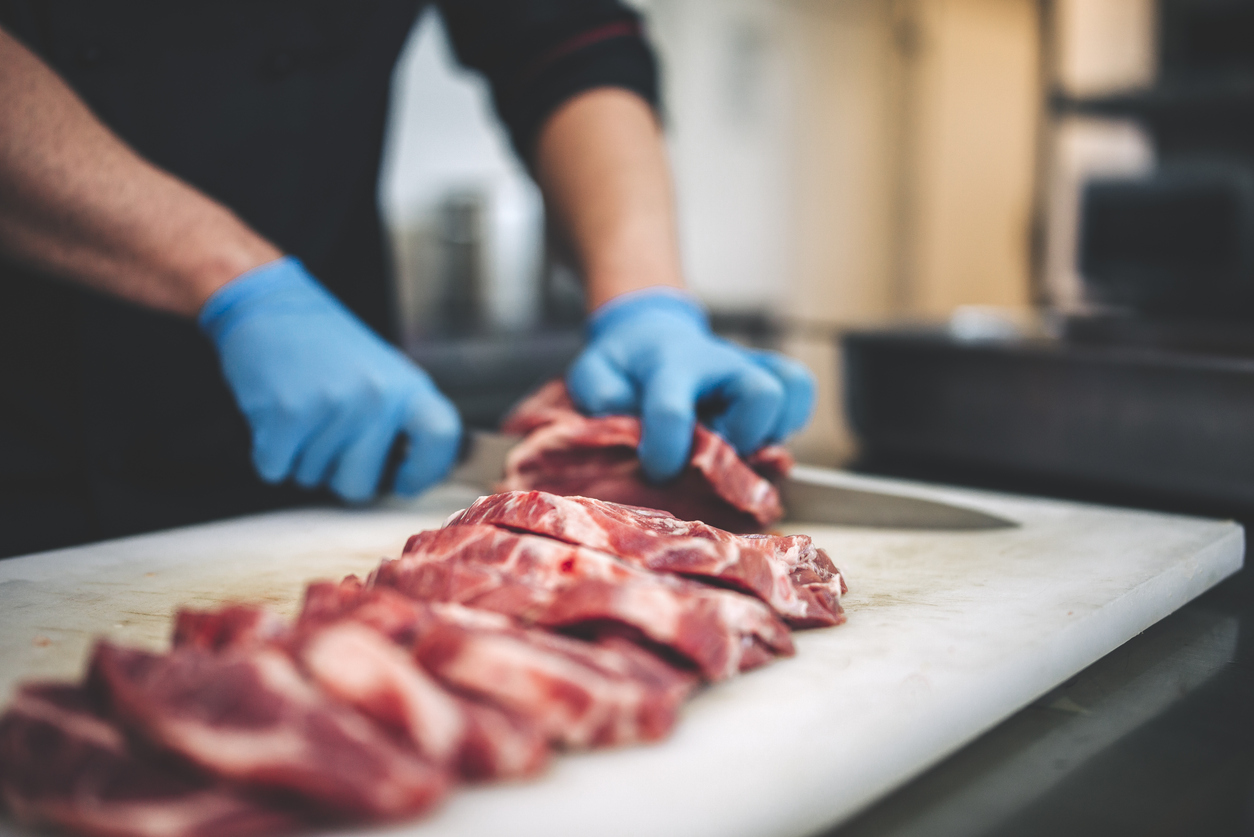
[(1156, 738)]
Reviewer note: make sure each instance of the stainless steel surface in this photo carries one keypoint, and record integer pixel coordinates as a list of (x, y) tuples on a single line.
[(814, 502)]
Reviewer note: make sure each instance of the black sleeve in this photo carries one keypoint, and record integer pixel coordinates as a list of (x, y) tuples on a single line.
[(536, 54)]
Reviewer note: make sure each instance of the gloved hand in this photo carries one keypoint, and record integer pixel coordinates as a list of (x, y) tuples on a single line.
[(651, 353), (324, 395)]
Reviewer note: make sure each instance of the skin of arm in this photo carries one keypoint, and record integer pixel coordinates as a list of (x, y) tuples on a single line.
[(77, 202), (601, 163)]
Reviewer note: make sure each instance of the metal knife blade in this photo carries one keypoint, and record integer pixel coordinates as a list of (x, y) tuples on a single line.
[(482, 464), (815, 502)]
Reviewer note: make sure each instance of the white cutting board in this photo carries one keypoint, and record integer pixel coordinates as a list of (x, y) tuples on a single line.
[(948, 633)]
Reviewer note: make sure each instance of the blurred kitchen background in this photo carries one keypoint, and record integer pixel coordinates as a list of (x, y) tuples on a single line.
[(924, 200)]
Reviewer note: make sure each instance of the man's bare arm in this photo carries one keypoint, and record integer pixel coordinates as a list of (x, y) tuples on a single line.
[(77, 203), (601, 162)]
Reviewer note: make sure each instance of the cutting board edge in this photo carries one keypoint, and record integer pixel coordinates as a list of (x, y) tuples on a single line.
[(1228, 562)]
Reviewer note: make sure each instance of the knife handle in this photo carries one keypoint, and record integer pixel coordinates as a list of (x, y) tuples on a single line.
[(400, 450)]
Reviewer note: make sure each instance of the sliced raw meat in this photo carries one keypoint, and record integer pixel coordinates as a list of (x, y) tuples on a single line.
[(398, 617), (499, 744), (249, 716), (565, 452), (230, 626), (808, 565), (350, 662), (773, 462), (328, 600), (377, 630), (733, 479), (611, 655), (64, 764), (550, 403), (578, 694), (555, 584), (356, 663), (658, 541), (362, 668)]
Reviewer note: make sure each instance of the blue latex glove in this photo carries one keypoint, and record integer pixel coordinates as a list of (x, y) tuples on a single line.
[(651, 353), (324, 395)]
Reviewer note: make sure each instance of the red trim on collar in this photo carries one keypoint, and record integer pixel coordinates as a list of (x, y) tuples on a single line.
[(620, 29)]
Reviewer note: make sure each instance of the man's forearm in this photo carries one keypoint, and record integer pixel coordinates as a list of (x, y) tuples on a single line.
[(601, 162), (76, 202)]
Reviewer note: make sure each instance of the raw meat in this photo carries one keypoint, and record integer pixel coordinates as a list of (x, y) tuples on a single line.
[(561, 685), (362, 668), (555, 584), (329, 600), (247, 715), (350, 662), (378, 629), (357, 664), (631, 711), (802, 586), (808, 566), (63, 763), (230, 626), (578, 694), (565, 452), (530, 621), (549, 403), (773, 462)]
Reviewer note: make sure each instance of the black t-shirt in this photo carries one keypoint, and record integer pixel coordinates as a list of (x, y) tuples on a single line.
[(115, 419)]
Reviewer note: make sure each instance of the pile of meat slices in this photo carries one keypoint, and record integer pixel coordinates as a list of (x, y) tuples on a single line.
[(566, 452), (530, 623)]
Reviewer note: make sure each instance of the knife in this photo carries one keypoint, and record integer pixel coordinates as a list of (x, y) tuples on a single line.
[(481, 463), (812, 501)]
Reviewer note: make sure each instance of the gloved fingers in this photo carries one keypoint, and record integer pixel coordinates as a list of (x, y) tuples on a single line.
[(355, 473), (326, 443), (277, 441), (435, 432), (799, 392), (667, 417), (755, 401), (598, 387)]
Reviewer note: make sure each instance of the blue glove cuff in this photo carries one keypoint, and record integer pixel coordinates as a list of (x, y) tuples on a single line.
[(646, 300), (285, 281)]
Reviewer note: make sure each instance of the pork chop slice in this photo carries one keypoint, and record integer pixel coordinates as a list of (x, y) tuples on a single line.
[(801, 586), (551, 583)]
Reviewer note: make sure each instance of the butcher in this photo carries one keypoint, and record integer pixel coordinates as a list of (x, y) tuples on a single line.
[(194, 313)]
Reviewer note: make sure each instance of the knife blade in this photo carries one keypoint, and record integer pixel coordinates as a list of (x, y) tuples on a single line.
[(816, 502), (481, 463)]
